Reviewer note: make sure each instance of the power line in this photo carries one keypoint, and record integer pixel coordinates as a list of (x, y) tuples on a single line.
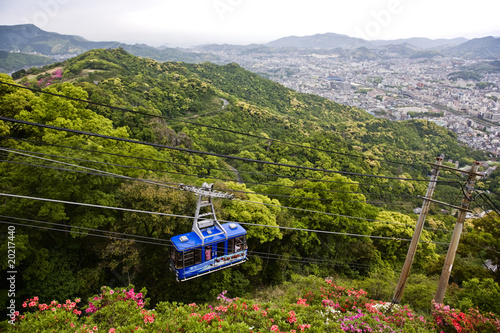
[(86, 168), (263, 255), (159, 183), (94, 206), (20, 151), (201, 152), (191, 217), (201, 166), (202, 125), (493, 205), (156, 240), (273, 256), (81, 233), (165, 184), (334, 232), (337, 215), (87, 229)]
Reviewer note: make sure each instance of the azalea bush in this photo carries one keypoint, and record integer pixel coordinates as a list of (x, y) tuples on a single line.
[(447, 319), (45, 80), (322, 307), (55, 316)]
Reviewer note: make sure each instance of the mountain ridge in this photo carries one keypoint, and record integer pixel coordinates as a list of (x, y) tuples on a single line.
[(333, 40), (29, 39)]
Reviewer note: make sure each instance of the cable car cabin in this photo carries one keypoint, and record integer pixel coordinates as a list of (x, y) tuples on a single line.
[(194, 256)]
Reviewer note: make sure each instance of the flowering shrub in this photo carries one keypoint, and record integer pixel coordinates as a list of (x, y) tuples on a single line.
[(48, 78), (326, 308), (110, 296), (37, 316), (451, 320), (223, 297), (302, 302)]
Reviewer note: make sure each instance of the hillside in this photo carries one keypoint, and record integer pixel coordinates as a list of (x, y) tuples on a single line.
[(27, 38), (483, 48), (10, 62), (323, 189)]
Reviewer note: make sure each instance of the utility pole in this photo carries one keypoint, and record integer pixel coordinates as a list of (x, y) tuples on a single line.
[(450, 256), (398, 294)]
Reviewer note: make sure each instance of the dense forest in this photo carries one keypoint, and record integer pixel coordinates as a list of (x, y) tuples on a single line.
[(110, 129)]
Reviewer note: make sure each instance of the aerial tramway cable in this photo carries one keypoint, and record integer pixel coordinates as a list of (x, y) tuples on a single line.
[(186, 150), (20, 151), (155, 241), (191, 217), (202, 125), (205, 167), (104, 173)]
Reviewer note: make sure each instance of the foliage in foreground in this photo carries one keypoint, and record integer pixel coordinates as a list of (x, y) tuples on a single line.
[(323, 307)]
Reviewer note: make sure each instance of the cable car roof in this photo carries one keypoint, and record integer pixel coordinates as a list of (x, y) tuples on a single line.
[(212, 235)]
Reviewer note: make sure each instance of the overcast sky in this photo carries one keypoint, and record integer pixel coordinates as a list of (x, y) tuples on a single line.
[(193, 22)]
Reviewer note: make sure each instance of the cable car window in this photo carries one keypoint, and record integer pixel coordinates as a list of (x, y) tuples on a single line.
[(176, 258), (220, 249), (240, 243), (230, 246), (189, 258), (192, 257), (197, 256)]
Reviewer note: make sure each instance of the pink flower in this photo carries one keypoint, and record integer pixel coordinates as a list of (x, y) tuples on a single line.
[(304, 326), (275, 328), (302, 301), (292, 318), (112, 330)]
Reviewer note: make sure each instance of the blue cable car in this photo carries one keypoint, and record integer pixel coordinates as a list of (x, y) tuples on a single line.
[(210, 246)]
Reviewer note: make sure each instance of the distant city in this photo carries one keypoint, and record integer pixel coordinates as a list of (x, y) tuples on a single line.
[(397, 88)]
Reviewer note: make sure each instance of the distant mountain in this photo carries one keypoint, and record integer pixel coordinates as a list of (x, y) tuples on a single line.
[(486, 48), (332, 40), (403, 49), (321, 41), (10, 61), (422, 43), (27, 38)]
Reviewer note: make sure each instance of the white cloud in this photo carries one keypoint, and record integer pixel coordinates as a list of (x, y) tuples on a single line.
[(184, 22)]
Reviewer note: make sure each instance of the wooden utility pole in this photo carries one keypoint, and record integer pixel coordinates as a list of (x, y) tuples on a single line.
[(450, 256), (398, 294)]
